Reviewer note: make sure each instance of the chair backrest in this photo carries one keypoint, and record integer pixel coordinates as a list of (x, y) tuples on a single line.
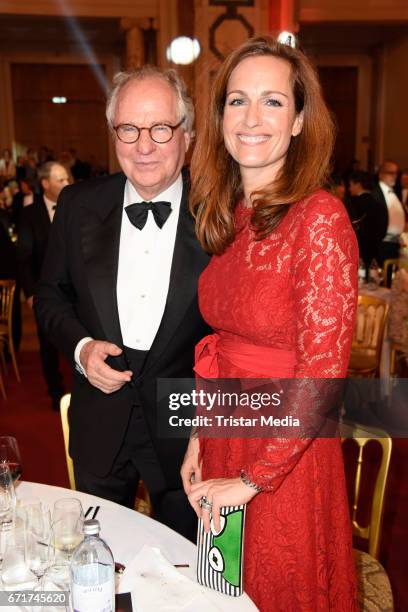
[(361, 436), (64, 407), (390, 267), (7, 288), (370, 324)]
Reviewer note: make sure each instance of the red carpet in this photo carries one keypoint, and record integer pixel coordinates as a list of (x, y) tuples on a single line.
[(27, 415)]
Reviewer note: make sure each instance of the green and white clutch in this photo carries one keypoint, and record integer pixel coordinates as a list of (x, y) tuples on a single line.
[(220, 556)]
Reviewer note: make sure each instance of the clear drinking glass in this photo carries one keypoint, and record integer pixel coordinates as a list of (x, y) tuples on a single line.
[(66, 528), (38, 523), (56, 578), (14, 570), (10, 453), (66, 534), (7, 496), (67, 506)]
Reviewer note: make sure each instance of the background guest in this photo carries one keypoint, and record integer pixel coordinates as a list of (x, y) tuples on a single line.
[(7, 166), (34, 229), (370, 223), (391, 210)]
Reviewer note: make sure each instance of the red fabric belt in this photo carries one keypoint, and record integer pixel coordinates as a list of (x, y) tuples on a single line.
[(262, 360)]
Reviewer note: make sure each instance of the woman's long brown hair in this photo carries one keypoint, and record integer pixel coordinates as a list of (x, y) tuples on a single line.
[(216, 179)]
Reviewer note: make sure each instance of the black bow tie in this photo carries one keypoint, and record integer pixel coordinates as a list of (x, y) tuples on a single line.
[(137, 213)]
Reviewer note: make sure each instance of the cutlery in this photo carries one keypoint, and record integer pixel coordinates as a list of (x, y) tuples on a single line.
[(95, 512), (88, 512), (120, 568)]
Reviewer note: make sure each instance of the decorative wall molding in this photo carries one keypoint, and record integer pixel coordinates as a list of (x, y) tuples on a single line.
[(221, 26), (231, 14)]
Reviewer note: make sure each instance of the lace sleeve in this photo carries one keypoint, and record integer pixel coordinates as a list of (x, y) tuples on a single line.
[(325, 287), (325, 284)]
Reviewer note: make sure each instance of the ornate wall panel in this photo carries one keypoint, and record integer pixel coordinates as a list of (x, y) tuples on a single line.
[(220, 26)]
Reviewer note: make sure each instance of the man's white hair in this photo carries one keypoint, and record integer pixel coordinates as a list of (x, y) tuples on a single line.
[(184, 102)]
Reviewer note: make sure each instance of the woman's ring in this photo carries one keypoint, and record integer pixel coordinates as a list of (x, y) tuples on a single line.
[(205, 504)]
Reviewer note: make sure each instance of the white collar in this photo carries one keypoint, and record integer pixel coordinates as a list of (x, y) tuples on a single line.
[(172, 194), (49, 203), (386, 189)]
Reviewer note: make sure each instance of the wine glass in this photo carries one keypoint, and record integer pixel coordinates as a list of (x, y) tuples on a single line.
[(10, 453), (37, 522), (70, 506), (67, 527), (7, 495)]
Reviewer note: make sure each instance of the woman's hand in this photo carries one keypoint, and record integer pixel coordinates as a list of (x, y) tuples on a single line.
[(219, 492), (191, 468)]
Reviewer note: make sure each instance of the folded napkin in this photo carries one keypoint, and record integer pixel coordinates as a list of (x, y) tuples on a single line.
[(156, 585)]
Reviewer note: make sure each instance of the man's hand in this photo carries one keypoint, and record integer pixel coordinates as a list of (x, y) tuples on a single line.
[(30, 301), (190, 465), (100, 375)]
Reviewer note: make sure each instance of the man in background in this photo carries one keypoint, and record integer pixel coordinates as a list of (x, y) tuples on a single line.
[(392, 212), (34, 228), (370, 221)]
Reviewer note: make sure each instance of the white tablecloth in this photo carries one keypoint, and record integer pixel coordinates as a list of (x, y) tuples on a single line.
[(127, 531)]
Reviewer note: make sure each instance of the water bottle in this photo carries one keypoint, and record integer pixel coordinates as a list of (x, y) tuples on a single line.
[(92, 573), (361, 273)]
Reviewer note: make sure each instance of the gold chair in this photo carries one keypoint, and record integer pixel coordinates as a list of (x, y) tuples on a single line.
[(2, 388), (64, 407), (374, 589), (142, 503), (390, 267), (397, 351), (365, 357), (7, 289)]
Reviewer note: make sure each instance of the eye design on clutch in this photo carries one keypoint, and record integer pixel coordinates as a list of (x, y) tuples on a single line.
[(220, 559)]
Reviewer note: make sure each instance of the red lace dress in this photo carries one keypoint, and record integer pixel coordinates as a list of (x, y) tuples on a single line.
[(294, 291)]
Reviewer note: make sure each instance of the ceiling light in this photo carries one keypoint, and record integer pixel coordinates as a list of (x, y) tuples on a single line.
[(287, 38), (183, 50)]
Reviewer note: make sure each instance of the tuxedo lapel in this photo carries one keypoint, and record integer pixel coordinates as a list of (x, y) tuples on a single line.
[(43, 218), (188, 262), (101, 221)]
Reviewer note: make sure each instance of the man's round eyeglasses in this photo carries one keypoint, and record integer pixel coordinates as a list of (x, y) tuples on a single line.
[(159, 132)]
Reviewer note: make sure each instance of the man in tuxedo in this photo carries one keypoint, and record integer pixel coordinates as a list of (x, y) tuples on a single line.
[(392, 211), (119, 296), (34, 229), (369, 221)]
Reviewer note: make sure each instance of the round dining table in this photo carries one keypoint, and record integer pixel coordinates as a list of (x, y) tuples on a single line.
[(127, 532)]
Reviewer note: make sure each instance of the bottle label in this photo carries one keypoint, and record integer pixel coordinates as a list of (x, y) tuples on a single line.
[(95, 598)]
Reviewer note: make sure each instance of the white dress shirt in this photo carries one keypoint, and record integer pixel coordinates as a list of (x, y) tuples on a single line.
[(50, 207), (144, 266), (396, 215)]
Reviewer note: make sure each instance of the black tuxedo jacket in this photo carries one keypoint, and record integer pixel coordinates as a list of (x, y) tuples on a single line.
[(33, 233), (369, 225), (382, 210), (77, 298)]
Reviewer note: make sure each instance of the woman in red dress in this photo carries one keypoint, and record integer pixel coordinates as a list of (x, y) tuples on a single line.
[(280, 294)]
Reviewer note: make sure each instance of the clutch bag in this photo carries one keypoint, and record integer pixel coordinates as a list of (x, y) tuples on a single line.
[(220, 558)]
